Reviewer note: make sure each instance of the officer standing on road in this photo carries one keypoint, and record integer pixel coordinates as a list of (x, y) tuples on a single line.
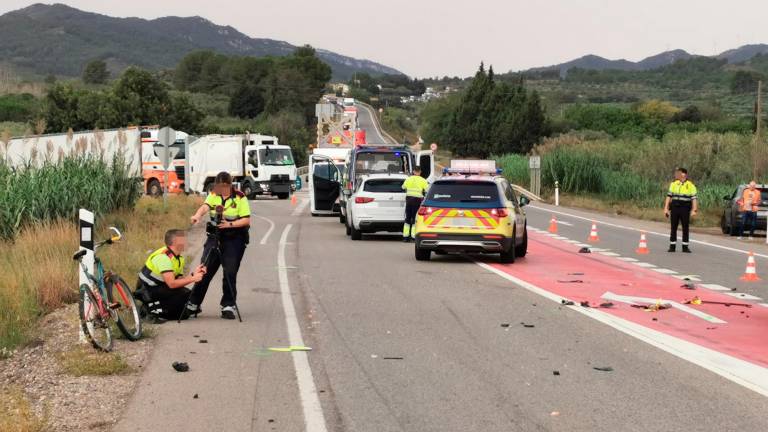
[(415, 188), (748, 204), (232, 239), (162, 284), (680, 205)]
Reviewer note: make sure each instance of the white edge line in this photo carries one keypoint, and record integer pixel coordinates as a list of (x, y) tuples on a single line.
[(736, 370), (269, 231), (314, 419), (646, 231)]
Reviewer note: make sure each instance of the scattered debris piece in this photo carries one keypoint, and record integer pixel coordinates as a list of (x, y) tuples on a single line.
[(373, 356), (556, 373), (606, 305), (180, 366), (567, 302), (585, 304), (571, 281), (203, 341), (698, 301), (711, 328), (527, 325), (195, 396), (603, 368), (576, 274), (688, 285), (585, 250), (196, 336), (271, 420), (505, 325), (655, 319), (392, 358), (554, 413)]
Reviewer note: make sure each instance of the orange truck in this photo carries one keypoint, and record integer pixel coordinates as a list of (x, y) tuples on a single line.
[(152, 168)]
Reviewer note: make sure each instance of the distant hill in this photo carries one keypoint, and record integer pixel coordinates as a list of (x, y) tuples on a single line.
[(594, 62), (58, 39)]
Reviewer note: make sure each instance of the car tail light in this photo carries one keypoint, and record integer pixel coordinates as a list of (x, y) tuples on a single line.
[(493, 237), (428, 235), (363, 200), (500, 212), (425, 211)]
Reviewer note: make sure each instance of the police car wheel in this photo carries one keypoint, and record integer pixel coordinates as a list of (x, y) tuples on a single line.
[(355, 233), (508, 256), (349, 231), (422, 254), (522, 249)]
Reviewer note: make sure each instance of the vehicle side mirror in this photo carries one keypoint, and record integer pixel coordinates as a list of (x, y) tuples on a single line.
[(524, 201)]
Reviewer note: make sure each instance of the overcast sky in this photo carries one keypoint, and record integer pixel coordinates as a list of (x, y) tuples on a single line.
[(451, 37)]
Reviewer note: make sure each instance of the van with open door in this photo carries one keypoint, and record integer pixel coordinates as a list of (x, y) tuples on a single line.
[(326, 173)]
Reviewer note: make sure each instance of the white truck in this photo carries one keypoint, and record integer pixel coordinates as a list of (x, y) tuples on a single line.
[(257, 162)]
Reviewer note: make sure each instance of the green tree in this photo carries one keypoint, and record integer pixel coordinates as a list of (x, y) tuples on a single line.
[(183, 115), (144, 99), (247, 102), (95, 72), (289, 128), (743, 82), (60, 108)]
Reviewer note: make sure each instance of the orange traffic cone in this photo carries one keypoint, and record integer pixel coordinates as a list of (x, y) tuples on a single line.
[(293, 199), (553, 225), (593, 237), (642, 248), (750, 274)]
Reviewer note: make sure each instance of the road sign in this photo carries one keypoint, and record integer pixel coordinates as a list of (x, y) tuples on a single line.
[(534, 162), (433, 147), (165, 138), (166, 154)]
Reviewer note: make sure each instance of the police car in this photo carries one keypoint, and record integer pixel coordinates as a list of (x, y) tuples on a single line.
[(472, 209)]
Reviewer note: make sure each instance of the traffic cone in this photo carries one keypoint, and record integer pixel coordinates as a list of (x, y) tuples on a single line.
[(293, 199), (642, 248), (593, 237), (750, 274), (553, 225)]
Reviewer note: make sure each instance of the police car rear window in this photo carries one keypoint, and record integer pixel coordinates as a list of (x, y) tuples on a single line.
[(470, 194), (384, 186)]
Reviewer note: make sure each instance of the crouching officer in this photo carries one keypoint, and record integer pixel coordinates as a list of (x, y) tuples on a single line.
[(162, 284), (225, 246), (415, 188), (681, 203)]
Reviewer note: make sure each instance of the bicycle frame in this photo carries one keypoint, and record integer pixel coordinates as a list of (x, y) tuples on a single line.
[(100, 295)]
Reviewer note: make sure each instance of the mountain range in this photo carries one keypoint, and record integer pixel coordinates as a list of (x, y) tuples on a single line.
[(595, 62), (58, 39)]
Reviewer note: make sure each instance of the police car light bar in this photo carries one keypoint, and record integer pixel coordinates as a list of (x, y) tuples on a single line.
[(472, 166)]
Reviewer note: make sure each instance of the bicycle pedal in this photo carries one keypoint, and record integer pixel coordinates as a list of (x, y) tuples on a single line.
[(114, 306)]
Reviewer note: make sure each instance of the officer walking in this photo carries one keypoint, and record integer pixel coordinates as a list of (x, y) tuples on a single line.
[(680, 205), (224, 248), (162, 284), (415, 188)]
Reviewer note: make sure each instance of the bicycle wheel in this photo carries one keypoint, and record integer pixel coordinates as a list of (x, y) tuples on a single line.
[(128, 319), (94, 326)]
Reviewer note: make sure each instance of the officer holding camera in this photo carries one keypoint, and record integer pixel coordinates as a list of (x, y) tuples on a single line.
[(228, 236)]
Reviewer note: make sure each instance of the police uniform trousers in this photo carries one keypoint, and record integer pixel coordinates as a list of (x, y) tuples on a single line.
[(412, 205), (232, 249), (161, 300), (679, 214)]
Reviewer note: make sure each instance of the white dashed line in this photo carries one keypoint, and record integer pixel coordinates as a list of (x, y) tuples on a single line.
[(693, 278), (565, 223), (715, 287), (627, 259), (664, 271), (644, 264), (610, 254), (743, 296)]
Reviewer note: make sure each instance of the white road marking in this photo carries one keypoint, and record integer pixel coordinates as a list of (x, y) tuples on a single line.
[(573, 242), (745, 252), (647, 300), (763, 304), (609, 253), (644, 264), (715, 287), (665, 271), (594, 249), (561, 237), (314, 420), (627, 259), (300, 207), (584, 245), (565, 223), (743, 296), (741, 372), (269, 231), (694, 278)]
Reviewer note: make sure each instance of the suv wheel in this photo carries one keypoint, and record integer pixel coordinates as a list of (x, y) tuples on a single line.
[(725, 228), (508, 256), (355, 233), (422, 254), (522, 249)]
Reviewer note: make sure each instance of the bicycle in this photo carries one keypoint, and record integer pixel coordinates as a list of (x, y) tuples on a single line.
[(106, 299)]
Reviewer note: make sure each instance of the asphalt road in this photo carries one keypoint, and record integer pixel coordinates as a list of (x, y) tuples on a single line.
[(401, 345), (365, 121)]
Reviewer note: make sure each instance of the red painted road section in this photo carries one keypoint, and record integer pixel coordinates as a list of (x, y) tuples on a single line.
[(744, 336)]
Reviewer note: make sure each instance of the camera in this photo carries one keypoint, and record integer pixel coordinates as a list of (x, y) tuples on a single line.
[(212, 227)]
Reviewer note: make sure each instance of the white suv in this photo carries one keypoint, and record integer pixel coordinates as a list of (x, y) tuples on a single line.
[(378, 205)]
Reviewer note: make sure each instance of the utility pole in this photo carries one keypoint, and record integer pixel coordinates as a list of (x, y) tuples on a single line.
[(758, 151)]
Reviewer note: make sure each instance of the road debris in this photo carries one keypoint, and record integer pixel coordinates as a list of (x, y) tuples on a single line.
[(203, 341), (195, 396), (392, 358), (571, 281), (603, 368), (527, 325), (180, 366), (554, 413), (698, 301), (585, 250), (505, 325), (585, 304), (576, 274), (556, 373), (567, 302), (606, 305)]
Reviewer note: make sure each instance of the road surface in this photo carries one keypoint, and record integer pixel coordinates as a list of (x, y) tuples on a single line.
[(365, 121), (462, 344)]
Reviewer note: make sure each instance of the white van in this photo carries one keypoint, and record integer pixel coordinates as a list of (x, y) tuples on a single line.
[(326, 172)]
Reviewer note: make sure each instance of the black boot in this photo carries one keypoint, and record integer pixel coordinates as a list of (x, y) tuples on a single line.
[(686, 249), (671, 248)]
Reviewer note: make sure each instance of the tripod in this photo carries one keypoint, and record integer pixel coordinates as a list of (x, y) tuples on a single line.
[(214, 233)]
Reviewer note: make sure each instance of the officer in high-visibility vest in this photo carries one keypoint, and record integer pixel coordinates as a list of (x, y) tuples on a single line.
[(415, 188), (225, 248), (680, 205), (162, 284)]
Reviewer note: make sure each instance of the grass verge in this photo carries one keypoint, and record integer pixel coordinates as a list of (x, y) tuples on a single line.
[(84, 360), (37, 274), (16, 413)]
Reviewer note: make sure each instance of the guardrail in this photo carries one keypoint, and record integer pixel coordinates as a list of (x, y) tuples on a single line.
[(300, 171)]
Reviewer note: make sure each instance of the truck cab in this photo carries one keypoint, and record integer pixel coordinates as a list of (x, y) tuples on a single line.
[(270, 168), (152, 168)]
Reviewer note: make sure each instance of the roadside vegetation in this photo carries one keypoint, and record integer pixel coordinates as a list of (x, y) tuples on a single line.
[(17, 413), (85, 361)]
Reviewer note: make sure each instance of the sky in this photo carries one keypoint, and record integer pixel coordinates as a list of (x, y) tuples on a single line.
[(425, 38)]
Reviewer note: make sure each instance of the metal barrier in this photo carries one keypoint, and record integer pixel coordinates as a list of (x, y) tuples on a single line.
[(304, 170)]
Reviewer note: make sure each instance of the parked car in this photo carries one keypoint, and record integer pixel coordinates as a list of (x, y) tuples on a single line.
[(731, 219), (378, 205)]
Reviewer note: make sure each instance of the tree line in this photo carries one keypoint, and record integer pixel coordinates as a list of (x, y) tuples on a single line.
[(489, 117)]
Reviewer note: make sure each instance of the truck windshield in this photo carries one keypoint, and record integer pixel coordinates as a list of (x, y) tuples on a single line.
[(381, 163), (271, 156)]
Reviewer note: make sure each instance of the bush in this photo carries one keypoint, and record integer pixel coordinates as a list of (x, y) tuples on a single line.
[(17, 107)]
